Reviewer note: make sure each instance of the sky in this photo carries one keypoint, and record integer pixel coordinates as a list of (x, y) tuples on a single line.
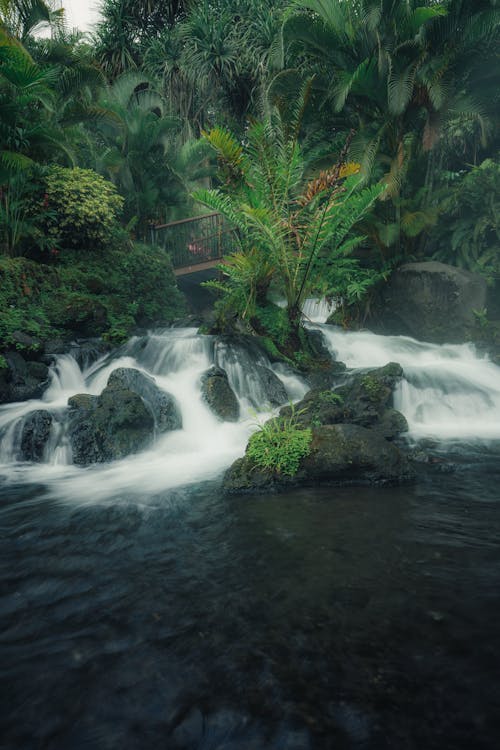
[(81, 13)]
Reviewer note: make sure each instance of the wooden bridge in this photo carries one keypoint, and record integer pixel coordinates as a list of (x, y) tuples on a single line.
[(195, 244)]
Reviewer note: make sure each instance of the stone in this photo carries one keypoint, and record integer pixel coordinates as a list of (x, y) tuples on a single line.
[(22, 380), (339, 453), (430, 301), (108, 427), (163, 406), (35, 435), (349, 452), (219, 395), (365, 398), (275, 391)]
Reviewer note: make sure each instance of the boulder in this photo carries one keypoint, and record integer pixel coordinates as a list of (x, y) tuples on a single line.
[(219, 395), (22, 380), (35, 435), (275, 391), (162, 405), (364, 399), (354, 453), (108, 427), (339, 453), (430, 301)]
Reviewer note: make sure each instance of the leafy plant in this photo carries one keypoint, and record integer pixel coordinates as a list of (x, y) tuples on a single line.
[(83, 206), (469, 233), (279, 445), (284, 218)]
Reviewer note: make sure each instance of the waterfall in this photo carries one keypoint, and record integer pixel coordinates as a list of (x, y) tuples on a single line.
[(448, 391), (201, 450)]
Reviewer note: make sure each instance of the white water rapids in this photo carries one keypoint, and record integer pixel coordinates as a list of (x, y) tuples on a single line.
[(448, 393), (200, 451)]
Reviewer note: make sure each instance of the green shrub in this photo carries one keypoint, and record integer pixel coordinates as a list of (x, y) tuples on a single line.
[(82, 208), (279, 445), (108, 293)]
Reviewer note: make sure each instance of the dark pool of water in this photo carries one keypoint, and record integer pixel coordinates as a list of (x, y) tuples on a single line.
[(326, 618)]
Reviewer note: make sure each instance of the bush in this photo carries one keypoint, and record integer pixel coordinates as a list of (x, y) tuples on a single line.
[(107, 294), (82, 208), (279, 445)]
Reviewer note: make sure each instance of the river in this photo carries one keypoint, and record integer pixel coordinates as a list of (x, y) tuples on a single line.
[(143, 609)]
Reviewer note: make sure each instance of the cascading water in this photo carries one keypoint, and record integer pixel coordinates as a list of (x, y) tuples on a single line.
[(448, 391), (176, 358)]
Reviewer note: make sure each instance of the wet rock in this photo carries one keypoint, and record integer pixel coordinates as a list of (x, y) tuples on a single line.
[(162, 405), (431, 301), (326, 375), (35, 435), (275, 391), (108, 427), (219, 395), (338, 453), (350, 452), (26, 341), (21, 379), (364, 399), (392, 424), (88, 351)]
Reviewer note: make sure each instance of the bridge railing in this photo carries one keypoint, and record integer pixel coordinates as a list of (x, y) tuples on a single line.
[(195, 241)]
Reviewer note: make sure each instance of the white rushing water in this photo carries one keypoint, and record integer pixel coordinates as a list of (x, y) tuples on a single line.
[(199, 451), (448, 392)]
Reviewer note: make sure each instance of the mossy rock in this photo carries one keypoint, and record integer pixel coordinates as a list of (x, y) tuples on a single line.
[(219, 395), (108, 427), (338, 454)]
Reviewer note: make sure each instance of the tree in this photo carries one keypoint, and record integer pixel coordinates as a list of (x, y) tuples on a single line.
[(397, 71), (287, 223)]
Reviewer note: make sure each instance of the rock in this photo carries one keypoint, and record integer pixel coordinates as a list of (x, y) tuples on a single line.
[(88, 351), (26, 341), (219, 395), (367, 395), (430, 301), (108, 427), (353, 453), (162, 405), (326, 375), (339, 453), (392, 424), (35, 435), (275, 391), (365, 399), (22, 380)]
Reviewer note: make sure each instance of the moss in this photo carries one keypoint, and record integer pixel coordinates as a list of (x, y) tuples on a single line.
[(373, 388), (87, 294)]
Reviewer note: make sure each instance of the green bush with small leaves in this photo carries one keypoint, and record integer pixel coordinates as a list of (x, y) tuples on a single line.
[(82, 208), (279, 445)]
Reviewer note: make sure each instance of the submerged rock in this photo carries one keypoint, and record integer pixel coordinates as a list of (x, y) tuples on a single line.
[(108, 427), (35, 435), (162, 405), (338, 453), (219, 395), (431, 301)]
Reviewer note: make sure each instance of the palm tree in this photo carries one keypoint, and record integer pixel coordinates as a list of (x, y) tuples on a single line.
[(22, 17), (396, 70), (136, 148)]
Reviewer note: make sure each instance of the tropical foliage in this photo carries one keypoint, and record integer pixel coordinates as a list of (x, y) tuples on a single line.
[(286, 97)]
